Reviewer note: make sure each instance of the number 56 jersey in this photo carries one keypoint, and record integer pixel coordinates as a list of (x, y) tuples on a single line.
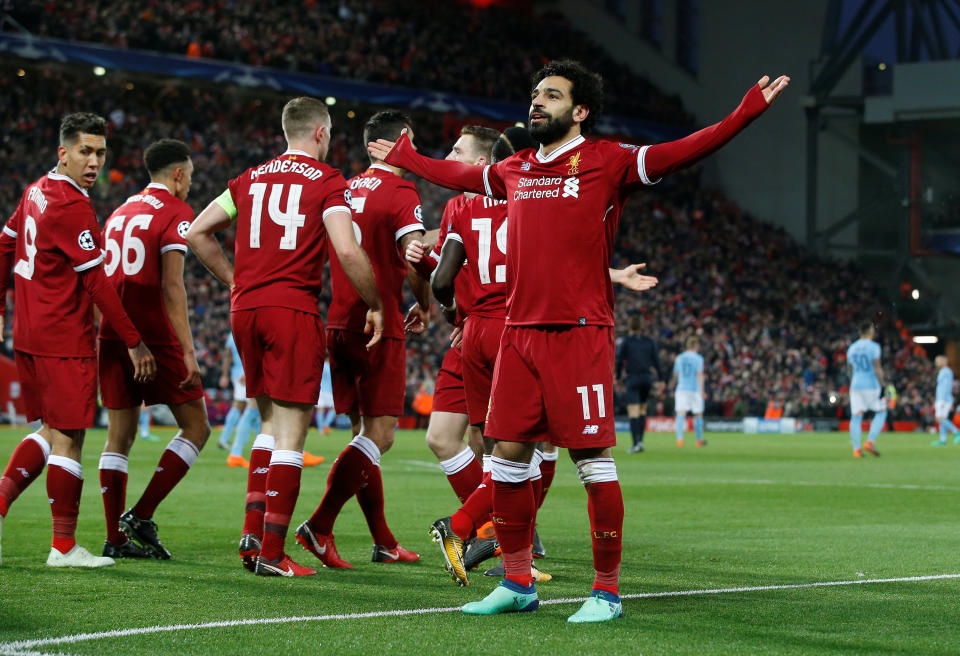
[(135, 237), (281, 240)]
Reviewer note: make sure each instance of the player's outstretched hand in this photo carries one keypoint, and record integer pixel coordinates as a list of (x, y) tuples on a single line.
[(374, 327), (415, 251), (380, 148), (416, 320), (144, 366), (193, 372), (456, 337), (631, 278), (773, 89)]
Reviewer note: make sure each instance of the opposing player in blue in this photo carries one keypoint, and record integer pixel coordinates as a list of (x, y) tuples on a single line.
[(944, 401), (688, 396), (244, 423), (866, 390)]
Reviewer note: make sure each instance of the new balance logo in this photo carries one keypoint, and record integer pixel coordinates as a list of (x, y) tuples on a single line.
[(23, 472), (272, 493), (159, 469), (571, 188), (525, 166), (261, 470), (592, 429), (103, 490)]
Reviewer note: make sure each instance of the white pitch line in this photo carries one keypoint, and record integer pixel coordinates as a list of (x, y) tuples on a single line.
[(764, 481), (21, 647)]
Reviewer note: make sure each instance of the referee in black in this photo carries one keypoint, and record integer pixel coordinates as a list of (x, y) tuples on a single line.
[(636, 358)]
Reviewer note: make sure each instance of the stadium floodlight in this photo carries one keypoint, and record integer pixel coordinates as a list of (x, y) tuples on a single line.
[(520, 124), (21, 72), (351, 114), (99, 71), (915, 294), (925, 339), (331, 101), (833, 399)]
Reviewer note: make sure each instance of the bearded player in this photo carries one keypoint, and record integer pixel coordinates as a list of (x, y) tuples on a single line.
[(285, 210), (54, 238), (146, 246), (554, 374)]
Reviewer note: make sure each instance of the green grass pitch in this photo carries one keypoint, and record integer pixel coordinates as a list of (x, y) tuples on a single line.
[(747, 511)]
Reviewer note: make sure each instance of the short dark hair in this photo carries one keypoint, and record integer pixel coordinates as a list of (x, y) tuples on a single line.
[(513, 140), (483, 139), (865, 327), (73, 125), (385, 125), (301, 115), (634, 323), (586, 87), (693, 341), (161, 154)]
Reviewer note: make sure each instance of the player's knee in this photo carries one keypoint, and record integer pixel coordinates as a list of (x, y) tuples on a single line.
[(596, 470)]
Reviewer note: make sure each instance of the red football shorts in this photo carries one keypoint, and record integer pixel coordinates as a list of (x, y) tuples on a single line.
[(481, 343), (118, 390), (282, 353), (448, 393), (372, 383), (60, 391), (555, 385)]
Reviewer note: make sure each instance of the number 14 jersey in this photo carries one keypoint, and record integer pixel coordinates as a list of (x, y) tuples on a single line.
[(135, 238), (281, 240)]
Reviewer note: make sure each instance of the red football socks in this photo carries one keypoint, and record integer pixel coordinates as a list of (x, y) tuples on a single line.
[(64, 485), (370, 497), (283, 488), (174, 464), (113, 489), (465, 481), (256, 503), (513, 509), (547, 470), (26, 463), (605, 506), (475, 511), (346, 476)]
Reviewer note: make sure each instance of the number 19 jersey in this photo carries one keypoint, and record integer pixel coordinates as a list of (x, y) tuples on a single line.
[(480, 224), (281, 241), (135, 237)]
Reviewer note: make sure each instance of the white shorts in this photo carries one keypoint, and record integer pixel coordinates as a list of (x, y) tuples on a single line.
[(863, 400), (325, 400), (685, 401), (941, 409), (239, 389)]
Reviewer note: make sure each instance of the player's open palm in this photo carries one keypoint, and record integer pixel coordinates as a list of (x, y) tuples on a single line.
[(374, 327), (633, 280), (144, 365), (193, 372), (416, 320), (380, 148), (772, 89)]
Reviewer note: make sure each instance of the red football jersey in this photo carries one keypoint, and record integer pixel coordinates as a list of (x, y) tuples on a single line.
[(281, 240), (385, 208), (564, 211), (135, 237), (462, 285), (57, 238), (480, 225)]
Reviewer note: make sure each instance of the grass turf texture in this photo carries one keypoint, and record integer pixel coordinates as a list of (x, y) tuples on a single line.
[(745, 511)]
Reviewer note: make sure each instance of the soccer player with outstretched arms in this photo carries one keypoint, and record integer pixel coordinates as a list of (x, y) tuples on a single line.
[(52, 246), (285, 212), (554, 377), (146, 246)]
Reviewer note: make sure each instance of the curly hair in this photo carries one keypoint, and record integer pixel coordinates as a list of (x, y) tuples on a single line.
[(586, 87)]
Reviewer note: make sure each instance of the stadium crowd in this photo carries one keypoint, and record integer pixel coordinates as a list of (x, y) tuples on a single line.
[(774, 320), (359, 39)]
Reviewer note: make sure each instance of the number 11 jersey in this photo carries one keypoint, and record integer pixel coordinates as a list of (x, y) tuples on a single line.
[(135, 238), (281, 240)]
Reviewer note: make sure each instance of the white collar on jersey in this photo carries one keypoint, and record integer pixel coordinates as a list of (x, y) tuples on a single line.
[(157, 185), (53, 175), (382, 167), (294, 151), (570, 145)]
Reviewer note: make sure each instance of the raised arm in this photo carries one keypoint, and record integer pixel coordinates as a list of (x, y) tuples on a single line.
[(175, 304), (665, 158), (446, 173)]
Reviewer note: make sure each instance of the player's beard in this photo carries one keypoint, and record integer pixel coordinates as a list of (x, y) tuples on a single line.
[(553, 128)]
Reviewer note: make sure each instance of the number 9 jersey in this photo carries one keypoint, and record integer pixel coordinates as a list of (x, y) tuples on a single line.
[(135, 238), (281, 241)]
